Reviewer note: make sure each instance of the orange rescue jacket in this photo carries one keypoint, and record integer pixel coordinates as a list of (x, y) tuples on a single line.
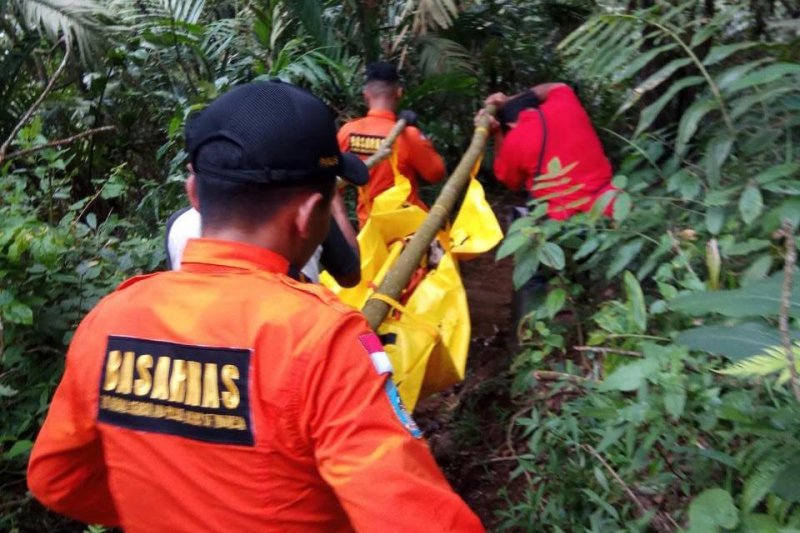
[(229, 397), (416, 156)]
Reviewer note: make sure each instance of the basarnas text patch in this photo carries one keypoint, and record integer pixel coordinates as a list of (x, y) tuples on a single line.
[(196, 392)]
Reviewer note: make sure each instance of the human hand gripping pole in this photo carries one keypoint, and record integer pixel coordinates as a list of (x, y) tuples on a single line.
[(375, 310)]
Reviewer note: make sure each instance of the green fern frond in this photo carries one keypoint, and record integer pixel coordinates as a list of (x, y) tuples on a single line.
[(757, 485), (771, 362)]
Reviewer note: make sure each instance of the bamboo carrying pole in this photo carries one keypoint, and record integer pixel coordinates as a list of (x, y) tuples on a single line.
[(385, 149), (397, 278)]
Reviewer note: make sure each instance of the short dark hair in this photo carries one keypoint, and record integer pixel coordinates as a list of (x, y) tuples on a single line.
[(514, 106), (245, 205), (382, 71)]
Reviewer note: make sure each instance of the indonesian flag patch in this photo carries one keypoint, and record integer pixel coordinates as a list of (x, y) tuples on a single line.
[(383, 365), (372, 344)]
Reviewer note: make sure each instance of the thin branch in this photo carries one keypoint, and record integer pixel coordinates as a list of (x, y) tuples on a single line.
[(548, 375), (786, 295), (60, 142), (90, 202), (662, 522), (600, 349), (37, 103), (510, 442)]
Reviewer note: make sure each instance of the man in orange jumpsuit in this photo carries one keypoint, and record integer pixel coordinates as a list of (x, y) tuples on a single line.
[(416, 156), (226, 396)]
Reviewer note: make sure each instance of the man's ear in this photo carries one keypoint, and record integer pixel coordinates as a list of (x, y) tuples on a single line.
[(191, 189), (307, 218), (399, 93)]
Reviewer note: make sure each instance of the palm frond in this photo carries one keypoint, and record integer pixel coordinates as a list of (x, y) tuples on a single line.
[(310, 15), (432, 14), (79, 21), (438, 55)]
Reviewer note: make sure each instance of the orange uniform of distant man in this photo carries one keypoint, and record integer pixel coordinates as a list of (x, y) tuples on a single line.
[(226, 396), (416, 156)]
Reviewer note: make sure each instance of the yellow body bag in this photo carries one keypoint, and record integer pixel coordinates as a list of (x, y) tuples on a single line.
[(427, 337)]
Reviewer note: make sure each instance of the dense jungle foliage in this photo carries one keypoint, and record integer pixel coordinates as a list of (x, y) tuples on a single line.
[(666, 400)]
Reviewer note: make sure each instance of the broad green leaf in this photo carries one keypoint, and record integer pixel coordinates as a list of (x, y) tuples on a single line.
[(745, 248), (512, 243), (712, 509), (720, 198), (760, 298), (787, 484), (732, 342), (715, 218), (552, 255), (653, 81), (622, 206), (742, 105), (17, 312), (720, 52), (525, 267), (630, 377), (717, 152), (636, 304), (624, 256), (642, 61), (520, 223), (675, 402), (736, 73), (554, 302), (690, 122), (600, 205), (758, 269), (764, 75), (651, 112), (586, 248), (750, 204), (777, 172), (18, 448), (611, 436), (600, 477)]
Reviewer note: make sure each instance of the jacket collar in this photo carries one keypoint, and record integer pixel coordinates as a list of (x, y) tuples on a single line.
[(210, 255), (382, 113)]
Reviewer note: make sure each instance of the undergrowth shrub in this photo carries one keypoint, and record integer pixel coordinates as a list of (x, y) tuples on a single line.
[(638, 420)]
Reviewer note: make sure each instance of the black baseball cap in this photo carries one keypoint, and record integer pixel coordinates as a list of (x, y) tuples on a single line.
[(381, 71), (286, 134)]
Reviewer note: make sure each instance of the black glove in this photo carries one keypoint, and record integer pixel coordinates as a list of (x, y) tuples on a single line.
[(409, 116)]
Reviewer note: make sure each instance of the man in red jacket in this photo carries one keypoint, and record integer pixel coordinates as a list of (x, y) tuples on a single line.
[(532, 128), (543, 123), (226, 396)]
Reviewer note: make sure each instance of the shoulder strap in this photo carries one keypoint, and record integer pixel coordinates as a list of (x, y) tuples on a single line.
[(544, 144)]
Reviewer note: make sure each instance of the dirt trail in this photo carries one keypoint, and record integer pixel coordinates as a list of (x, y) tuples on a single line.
[(466, 424)]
